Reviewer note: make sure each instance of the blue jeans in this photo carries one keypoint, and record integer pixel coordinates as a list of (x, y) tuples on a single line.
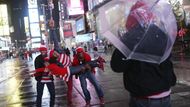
[(161, 102), (76, 69), (40, 88), (91, 77), (54, 39)]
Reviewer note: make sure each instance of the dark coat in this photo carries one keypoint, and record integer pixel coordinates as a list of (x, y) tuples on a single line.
[(39, 63), (143, 78)]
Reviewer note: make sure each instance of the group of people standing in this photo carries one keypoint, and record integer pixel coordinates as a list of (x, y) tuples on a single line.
[(52, 63)]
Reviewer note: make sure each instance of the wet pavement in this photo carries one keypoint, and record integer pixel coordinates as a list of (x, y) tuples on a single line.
[(18, 89)]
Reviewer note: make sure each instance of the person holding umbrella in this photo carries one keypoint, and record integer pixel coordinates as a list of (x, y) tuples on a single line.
[(148, 83), (143, 53)]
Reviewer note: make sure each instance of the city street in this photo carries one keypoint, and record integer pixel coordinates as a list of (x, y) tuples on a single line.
[(18, 89)]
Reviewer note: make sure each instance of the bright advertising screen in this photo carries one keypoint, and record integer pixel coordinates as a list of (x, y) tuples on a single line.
[(80, 25), (83, 38), (33, 15), (34, 22), (26, 24), (38, 40), (75, 7), (67, 29), (35, 29), (32, 4), (4, 24)]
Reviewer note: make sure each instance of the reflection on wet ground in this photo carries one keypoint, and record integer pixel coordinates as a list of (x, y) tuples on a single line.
[(18, 89)]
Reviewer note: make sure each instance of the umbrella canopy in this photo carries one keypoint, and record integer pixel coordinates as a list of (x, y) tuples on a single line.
[(143, 30)]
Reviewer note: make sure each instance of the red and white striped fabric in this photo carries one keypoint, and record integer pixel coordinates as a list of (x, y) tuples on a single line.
[(66, 62)]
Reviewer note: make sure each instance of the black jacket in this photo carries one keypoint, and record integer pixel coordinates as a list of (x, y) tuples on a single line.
[(39, 63), (143, 78)]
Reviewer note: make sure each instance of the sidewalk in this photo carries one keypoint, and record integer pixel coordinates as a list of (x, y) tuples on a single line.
[(8, 69)]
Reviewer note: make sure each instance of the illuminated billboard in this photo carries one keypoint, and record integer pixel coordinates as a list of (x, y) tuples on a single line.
[(26, 25), (34, 25), (42, 23), (80, 24), (75, 7), (32, 4), (83, 38), (33, 15), (35, 29), (36, 45), (67, 29), (4, 24), (36, 40), (93, 3)]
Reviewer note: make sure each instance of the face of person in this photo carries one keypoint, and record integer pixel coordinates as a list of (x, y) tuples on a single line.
[(80, 56), (44, 53), (56, 54)]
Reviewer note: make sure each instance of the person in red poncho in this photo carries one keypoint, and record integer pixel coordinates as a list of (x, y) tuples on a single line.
[(80, 58)]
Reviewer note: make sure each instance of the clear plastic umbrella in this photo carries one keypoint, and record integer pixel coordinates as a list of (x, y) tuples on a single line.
[(143, 30)]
